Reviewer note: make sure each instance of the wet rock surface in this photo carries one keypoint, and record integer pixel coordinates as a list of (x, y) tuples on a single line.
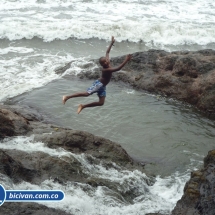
[(25, 208), (183, 75), (12, 124), (36, 167), (199, 192), (14, 169)]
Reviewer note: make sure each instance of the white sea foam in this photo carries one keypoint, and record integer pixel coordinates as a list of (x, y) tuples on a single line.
[(82, 199), (23, 69), (21, 50), (28, 145), (155, 22), (129, 91), (19, 75)]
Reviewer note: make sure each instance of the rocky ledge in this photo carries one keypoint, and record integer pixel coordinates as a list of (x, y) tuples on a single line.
[(36, 167), (199, 194), (183, 75)]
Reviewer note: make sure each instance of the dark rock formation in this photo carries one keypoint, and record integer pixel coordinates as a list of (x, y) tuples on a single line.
[(199, 193), (11, 124), (186, 76), (35, 167), (14, 169), (84, 142), (15, 120), (25, 208)]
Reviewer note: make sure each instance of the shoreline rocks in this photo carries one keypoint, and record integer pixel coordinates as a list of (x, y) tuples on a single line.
[(182, 75), (87, 151), (26, 208), (199, 192)]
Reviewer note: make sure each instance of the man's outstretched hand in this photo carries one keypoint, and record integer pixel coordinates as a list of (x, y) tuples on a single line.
[(112, 40), (128, 57)]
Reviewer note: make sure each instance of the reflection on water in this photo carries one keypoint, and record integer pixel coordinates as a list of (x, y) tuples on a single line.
[(167, 134)]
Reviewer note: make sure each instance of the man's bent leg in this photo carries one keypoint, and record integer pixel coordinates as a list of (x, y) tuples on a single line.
[(93, 104)]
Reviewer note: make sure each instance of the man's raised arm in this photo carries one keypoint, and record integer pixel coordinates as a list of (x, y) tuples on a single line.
[(109, 48)]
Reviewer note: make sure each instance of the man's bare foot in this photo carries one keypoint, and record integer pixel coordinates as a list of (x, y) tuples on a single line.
[(64, 99), (80, 107)]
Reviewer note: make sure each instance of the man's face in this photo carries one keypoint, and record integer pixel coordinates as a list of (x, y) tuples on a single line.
[(105, 62)]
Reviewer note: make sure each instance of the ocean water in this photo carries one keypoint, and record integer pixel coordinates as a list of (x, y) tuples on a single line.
[(39, 36)]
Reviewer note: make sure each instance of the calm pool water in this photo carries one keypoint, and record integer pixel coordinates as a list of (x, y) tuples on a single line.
[(168, 135)]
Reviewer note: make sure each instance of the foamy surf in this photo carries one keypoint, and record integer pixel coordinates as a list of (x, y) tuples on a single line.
[(156, 23), (152, 194), (166, 25), (24, 69), (83, 199)]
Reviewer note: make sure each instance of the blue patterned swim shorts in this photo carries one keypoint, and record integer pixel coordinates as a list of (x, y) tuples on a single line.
[(97, 87)]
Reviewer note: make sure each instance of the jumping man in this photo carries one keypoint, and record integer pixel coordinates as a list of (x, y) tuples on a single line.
[(99, 86)]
